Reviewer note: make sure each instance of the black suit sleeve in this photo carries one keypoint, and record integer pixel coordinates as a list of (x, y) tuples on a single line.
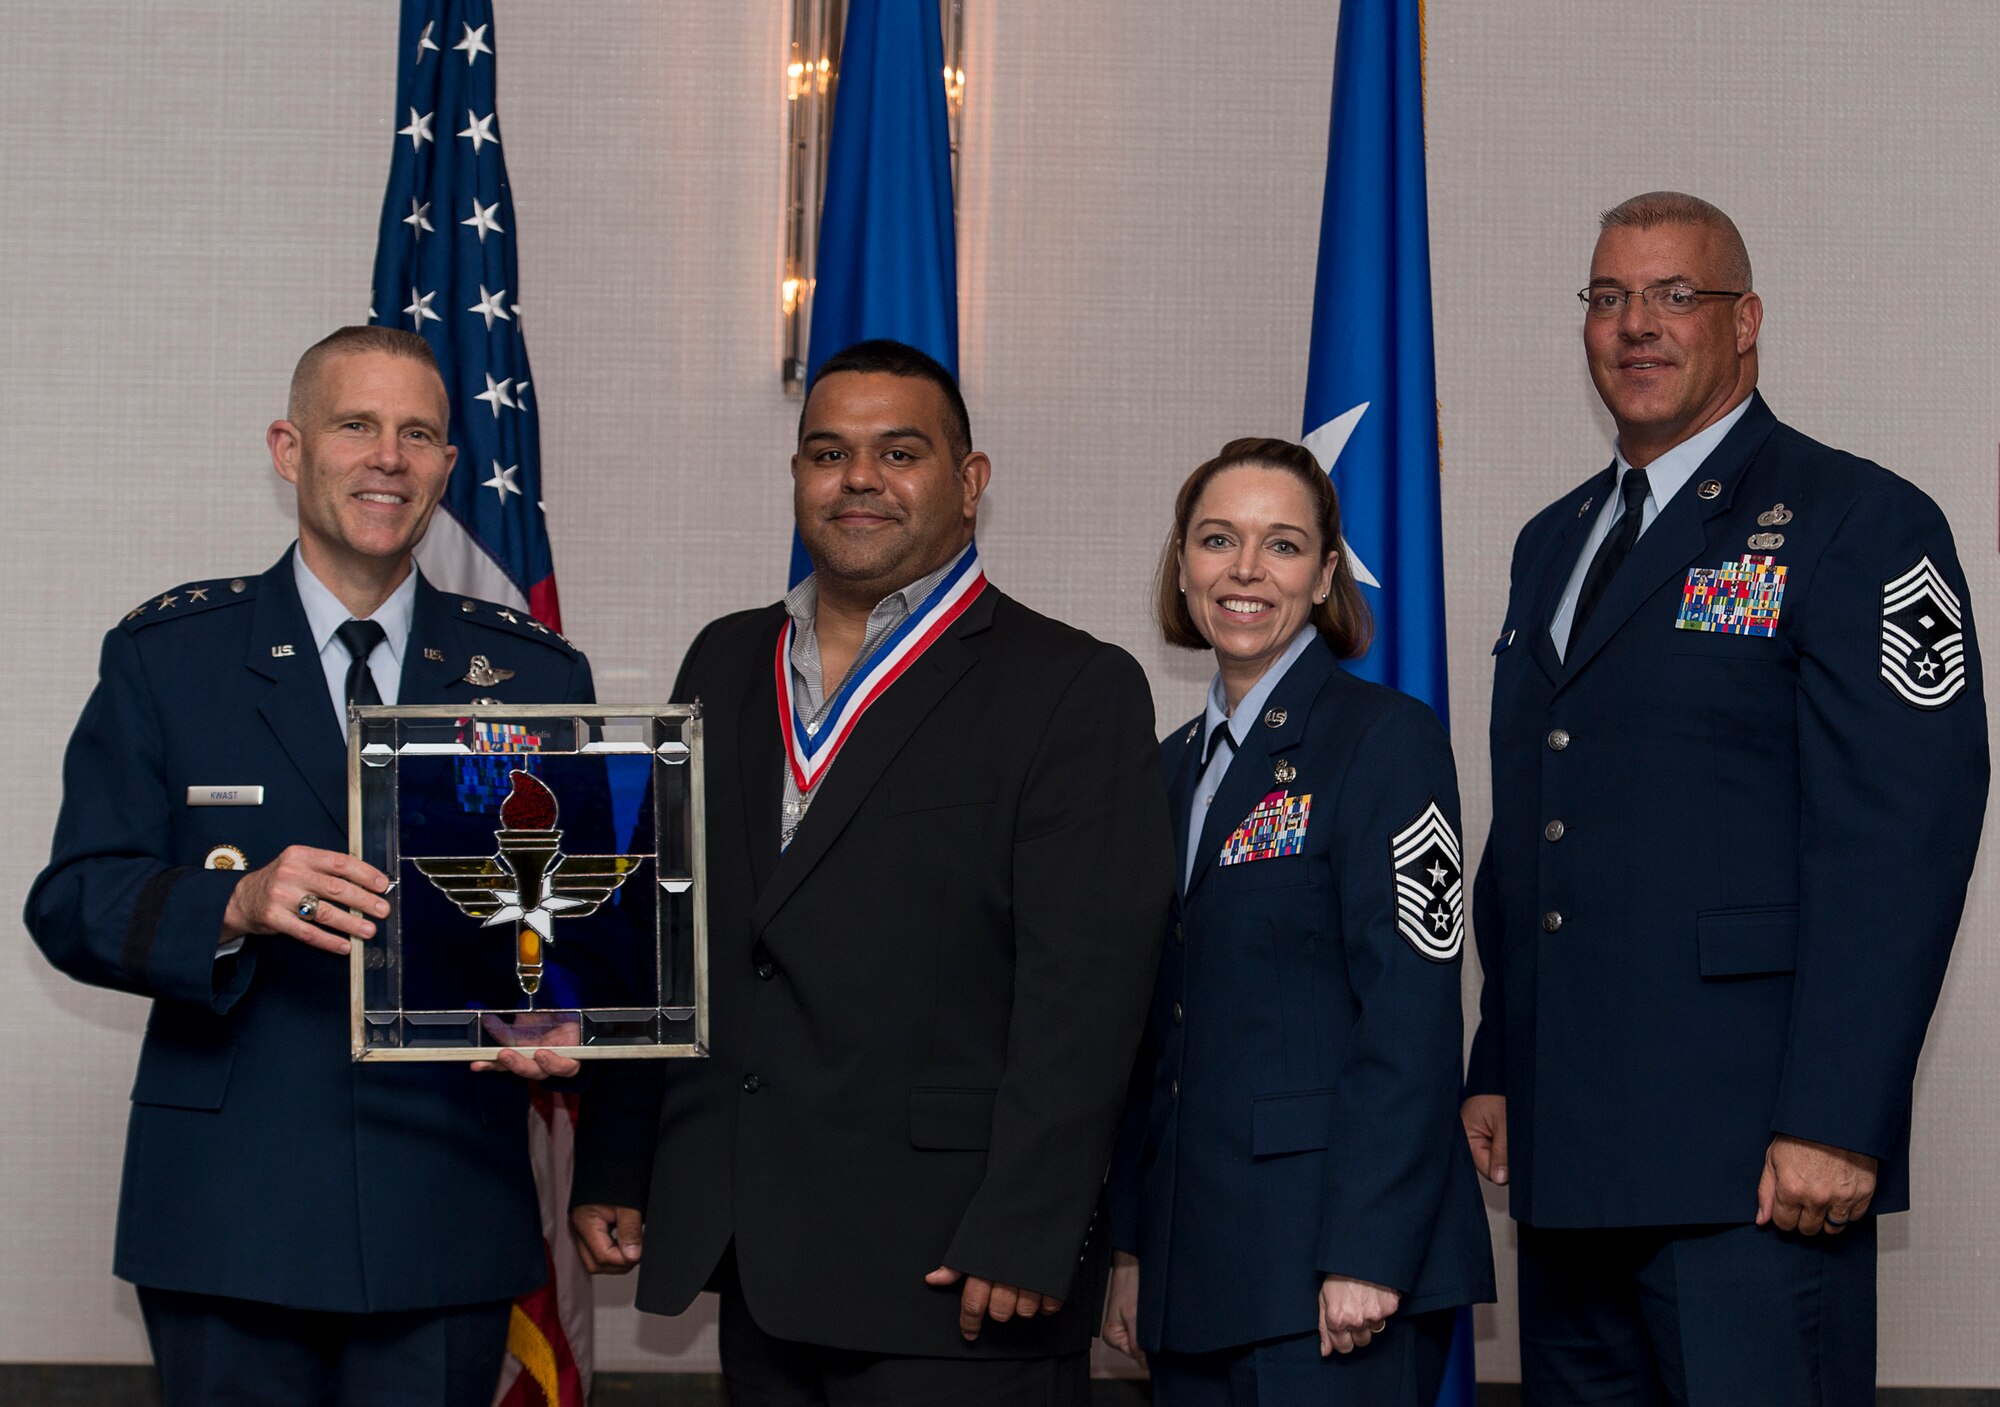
[(1092, 875)]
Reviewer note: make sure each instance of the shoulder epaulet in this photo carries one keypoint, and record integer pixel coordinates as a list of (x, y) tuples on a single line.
[(190, 599), (506, 618)]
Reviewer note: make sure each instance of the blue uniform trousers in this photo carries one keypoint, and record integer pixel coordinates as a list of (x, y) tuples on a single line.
[(211, 1349), (1400, 1367), (1701, 1316)]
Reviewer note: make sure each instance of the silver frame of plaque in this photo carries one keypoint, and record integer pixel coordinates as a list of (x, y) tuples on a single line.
[(697, 1044)]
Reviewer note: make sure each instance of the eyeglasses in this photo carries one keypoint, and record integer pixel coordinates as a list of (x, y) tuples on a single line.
[(1672, 299)]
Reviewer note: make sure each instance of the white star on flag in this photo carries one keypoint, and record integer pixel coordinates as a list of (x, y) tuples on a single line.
[(480, 130), (474, 43), (497, 394), (419, 130), (482, 220), (502, 481), (420, 307), (424, 40), (419, 218), (489, 306), (1326, 443)]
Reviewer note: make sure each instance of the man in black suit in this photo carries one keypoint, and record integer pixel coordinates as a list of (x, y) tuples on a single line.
[(938, 867)]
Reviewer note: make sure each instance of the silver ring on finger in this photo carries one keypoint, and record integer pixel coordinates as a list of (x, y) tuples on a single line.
[(1836, 1222), (1378, 1326), (308, 906)]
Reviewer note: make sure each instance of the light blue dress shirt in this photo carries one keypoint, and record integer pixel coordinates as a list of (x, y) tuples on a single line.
[(1239, 722), (325, 615), (1664, 478)]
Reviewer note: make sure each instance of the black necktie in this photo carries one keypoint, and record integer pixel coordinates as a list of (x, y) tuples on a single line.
[(1612, 553), (1217, 739), (360, 637)]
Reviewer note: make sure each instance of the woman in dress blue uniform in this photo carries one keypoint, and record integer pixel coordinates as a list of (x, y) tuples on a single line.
[(1294, 1211)]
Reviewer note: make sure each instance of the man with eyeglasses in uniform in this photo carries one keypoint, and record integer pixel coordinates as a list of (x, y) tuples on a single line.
[(1739, 770)]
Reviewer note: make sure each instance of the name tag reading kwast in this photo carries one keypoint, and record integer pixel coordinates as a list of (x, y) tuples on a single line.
[(225, 796)]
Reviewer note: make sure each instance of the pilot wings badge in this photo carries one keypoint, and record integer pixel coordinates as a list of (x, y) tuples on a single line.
[(529, 882)]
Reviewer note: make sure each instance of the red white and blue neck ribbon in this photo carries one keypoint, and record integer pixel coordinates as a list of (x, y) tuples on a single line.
[(811, 752)]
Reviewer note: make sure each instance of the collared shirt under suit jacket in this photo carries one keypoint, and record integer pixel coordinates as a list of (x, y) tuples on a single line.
[(260, 1162), (1726, 868), (1295, 1109)]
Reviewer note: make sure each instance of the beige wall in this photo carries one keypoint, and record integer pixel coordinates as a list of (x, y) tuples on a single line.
[(188, 194)]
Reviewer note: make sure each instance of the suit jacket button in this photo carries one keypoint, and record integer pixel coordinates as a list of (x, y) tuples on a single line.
[(1551, 921), (1174, 1089), (1553, 831), (1558, 739), (766, 970), (1179, 936), (751, 1084), (1178, 1013)]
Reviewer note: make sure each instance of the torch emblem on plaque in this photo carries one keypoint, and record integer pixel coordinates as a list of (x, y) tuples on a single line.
[(528, 882)]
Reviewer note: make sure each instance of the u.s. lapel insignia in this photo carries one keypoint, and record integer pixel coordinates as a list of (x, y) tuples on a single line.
[(1776, 516), (1276, 827), (1923, 638), (1766, 542), (225, 857), (1430, 888), (1736, 598), (434, 654), (1193, 728), (1710, 488), (1284, 774), (1585, 508), (282, 652), (485, 675), (1275, 718)]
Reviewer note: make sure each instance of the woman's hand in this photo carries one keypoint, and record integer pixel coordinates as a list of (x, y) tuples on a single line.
[(1351, 1312), (1121, 1307)]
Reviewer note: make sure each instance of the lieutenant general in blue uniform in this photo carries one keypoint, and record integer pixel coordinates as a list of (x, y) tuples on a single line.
[(302, 1230), (1739, 770)]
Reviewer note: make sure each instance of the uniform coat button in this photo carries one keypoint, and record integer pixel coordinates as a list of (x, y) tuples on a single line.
[(1174, 1089), (1558, 739), (766, 970), (1551, 921), (751, 1084), (1178, 1013), (1179, 935), (1553, 831)]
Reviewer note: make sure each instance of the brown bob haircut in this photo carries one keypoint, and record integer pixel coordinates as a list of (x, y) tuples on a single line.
[(1342, 619)]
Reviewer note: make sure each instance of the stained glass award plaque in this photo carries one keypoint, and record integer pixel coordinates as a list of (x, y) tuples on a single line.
[(546, 882)]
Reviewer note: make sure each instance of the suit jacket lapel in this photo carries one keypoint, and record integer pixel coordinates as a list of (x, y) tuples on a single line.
[(1680, 535), (434, 625), (1251, 775), (296, 707), (761, 761), (870, 748), (1560, 561)]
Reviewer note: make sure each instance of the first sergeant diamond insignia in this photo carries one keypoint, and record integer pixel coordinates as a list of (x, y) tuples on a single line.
[(1923, 638), (1430, 891)]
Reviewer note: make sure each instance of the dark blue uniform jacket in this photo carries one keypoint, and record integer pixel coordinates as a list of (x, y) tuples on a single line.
[(260, 1163), (1726, 867), (1294, 1112)]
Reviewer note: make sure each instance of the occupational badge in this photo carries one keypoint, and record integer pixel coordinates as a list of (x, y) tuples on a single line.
[(1274, 829), (1923, 638), (483, 674), (1766, 542), (528, 882), (1284, 773), (1430, 888), (225, 857), (1776, 516), (1736, 598)]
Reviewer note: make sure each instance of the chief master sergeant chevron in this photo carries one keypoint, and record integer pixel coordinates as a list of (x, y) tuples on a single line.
[(302, 1230), (1739, 771)]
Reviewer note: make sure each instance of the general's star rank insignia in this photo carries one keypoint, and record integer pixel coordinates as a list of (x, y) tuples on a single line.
[(1923, 638), (1430, 891)]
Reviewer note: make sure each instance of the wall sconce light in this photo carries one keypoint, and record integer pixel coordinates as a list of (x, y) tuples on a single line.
[(812, 72)]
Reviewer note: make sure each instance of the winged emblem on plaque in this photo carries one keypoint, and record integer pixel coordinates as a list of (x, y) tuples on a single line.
[(528, 881)]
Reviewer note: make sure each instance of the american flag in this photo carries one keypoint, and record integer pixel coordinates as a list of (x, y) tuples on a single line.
[(445, 267)]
